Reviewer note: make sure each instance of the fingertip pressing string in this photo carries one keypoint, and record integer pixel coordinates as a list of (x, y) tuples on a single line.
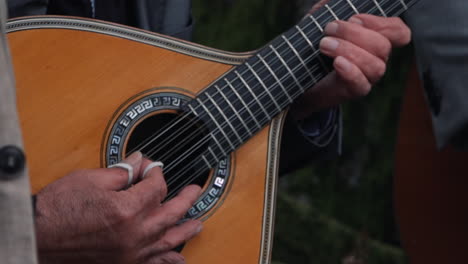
[(127, 167), (151, 166)]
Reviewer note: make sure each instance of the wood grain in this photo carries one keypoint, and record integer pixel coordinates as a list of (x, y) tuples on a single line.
[(71, 82)]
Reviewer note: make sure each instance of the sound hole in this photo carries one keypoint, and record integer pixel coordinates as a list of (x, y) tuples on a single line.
[(177, 142)]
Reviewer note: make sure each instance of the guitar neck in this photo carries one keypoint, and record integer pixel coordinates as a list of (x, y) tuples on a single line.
[(244, 100)]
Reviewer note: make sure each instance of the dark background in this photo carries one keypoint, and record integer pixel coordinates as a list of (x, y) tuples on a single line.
[(338, 211)]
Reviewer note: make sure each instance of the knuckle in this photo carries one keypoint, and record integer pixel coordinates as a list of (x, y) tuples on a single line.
[(164, 245), (380, 70), (405, 34), (362, 90), (124, 211), (386, 49), (172, 218), (163, 189)]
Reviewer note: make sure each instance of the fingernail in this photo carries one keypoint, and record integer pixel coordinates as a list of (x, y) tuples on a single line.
[(356, 20), (329, 44), (331, 28), (342, 64), (199, 228), (134, 158)]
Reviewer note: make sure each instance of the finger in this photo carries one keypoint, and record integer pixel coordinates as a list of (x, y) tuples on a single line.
[(372, 66), (173, 210), (177, 235), (369, 40), (393, 28), (355, 82), (117, 178), (170, 257), (317, 6), (151, 189)]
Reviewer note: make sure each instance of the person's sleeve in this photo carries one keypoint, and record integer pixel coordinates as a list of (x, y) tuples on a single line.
[(19, 8), (317, 137), (440, 38)]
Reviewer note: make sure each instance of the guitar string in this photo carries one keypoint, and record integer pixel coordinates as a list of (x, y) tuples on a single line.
[(295, 34), (152, 138), (154, 150), (226, 124), (168, 127), (197, 174)]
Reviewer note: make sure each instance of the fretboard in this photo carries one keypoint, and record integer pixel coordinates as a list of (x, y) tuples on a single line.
[(244, 100)]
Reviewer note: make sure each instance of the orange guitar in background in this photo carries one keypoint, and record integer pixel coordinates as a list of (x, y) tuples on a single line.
[(430, 187)]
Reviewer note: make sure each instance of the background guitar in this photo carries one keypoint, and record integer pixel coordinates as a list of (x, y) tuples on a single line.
[(38, 101), (430, 186)]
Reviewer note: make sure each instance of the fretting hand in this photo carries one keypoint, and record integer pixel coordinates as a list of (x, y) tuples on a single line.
[(360, 48)]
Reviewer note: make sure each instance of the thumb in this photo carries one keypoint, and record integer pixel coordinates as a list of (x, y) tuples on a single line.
[(116, 178)]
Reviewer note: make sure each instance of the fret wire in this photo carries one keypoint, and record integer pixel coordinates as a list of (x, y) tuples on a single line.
[(192, 109), (331, 11), (275, 77), (213, 154), (287, 68), (352, 6), (264, 86), (219, 145), (254, 96), (404, 4), (316, 22), (243, 102), (216, 123), (318, 25), (234, 110), (224, 116), (398, 11), (380, 8), (306, 38), (300, 59), (206, 161), (335, 4), (281, 85)]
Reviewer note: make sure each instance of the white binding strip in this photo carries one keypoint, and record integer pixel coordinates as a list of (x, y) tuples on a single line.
[(216, 123), (252, 93), (276, 78), (233, 109)]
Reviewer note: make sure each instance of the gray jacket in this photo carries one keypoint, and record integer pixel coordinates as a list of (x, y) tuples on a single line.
[(17, 243), (440, 35)]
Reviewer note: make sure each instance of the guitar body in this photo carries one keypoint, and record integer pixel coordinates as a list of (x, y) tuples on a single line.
[(77, 79), (430, 187)]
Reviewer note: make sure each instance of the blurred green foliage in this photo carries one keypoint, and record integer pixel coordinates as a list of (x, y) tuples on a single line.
[(338, 211)]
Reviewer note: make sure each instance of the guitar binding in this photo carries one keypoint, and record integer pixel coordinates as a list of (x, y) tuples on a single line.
[(142, 124)]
